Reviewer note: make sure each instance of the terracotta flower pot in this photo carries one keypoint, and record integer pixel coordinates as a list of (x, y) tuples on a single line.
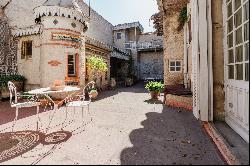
[(93, 95), (154, 95)]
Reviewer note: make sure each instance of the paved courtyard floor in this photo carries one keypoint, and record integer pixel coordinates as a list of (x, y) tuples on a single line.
[(127, 128)]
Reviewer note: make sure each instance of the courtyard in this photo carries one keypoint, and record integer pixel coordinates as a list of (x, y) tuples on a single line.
[(127, 128)]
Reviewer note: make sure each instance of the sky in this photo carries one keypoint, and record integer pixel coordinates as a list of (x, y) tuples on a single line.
[(125, 11)]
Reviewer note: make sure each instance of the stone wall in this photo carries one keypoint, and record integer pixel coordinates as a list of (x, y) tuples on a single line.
[(8, 48), (151, 65), (173, 48), (99, 28), (218, 61)]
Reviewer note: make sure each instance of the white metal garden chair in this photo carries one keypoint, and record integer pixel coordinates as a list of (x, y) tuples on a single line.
[(14, 103), (81, 102)]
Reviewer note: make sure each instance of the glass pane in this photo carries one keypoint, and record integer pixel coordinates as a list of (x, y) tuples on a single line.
[(230, 40), (172, 63), (231, 72), (247, 71), (178, 68), (239, 35), (239, 54), (246, 32), (231, 56), (172, 68), (71, 65), (238, 18), (247, 52), (229, 9), (178, 63), (239, 72), (237, 4), (246, 11), (230, 25)]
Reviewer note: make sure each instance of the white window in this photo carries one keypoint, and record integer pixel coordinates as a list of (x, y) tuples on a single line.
[(238, 39), (118, 35), (26, 50), (175, 66), (71, 65)]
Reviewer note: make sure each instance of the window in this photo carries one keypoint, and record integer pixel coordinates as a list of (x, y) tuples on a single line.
[(118, 35), (26, 50), (71, 65), (238, 39), (175, 66)]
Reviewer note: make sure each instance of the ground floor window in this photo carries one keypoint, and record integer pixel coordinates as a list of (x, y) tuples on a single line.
[(175, 65), (26, 50), (72, 65)]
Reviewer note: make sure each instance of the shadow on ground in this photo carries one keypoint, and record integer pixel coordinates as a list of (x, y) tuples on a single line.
[(170, 138)]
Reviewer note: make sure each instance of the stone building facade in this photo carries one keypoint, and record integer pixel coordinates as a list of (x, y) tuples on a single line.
[(58, 34), (216, 36), (167, 21)]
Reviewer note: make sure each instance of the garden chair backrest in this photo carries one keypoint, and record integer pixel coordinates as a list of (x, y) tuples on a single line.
[(12, 89)]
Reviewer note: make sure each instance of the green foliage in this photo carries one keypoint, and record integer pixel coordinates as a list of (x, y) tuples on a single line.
[(4, 79), (97, 63), (183, 17), (154, 86)]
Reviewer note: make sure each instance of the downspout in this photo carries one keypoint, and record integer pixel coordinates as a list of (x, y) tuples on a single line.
[(185, 57)]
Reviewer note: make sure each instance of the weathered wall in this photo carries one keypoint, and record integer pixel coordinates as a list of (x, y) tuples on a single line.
[(218, 61), (8, 48), (25, 65), (151, 65), (173, 48), (99, 28), (20, 12)]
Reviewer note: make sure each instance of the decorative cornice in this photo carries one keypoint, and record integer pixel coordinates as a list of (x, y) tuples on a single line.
[(26, 31), (42, 11)]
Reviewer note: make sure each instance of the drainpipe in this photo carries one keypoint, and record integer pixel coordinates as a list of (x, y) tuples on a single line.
[(185, 57)]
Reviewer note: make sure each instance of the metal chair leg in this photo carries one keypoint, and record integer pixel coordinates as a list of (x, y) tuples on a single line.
[(91, 119), (66, 117), (39, 119), (14, 122)]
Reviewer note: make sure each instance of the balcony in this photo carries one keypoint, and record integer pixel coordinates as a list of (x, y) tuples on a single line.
[(155, 45)]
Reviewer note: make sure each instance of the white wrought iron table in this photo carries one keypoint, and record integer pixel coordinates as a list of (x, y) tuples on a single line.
[(47, 91)]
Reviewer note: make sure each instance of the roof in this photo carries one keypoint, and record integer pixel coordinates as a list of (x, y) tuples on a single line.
[(129, 25)]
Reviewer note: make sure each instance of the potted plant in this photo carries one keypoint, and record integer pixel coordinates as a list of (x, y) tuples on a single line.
[(154, 88), (93, 93)]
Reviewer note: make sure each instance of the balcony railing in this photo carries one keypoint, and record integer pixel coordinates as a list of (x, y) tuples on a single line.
[(157, 44)]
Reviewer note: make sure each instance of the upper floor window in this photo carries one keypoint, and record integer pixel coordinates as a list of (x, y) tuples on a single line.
[(175, 66), (237, 23), (118, 35), (26, 50)]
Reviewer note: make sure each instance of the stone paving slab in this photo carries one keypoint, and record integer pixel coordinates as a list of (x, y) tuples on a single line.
[(127, 128)]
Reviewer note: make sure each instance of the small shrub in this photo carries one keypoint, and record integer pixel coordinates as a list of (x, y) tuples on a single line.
[(154, 86)]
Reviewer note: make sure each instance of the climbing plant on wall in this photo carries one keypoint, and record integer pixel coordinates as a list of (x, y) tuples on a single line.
[(97, 65), (183, 18)]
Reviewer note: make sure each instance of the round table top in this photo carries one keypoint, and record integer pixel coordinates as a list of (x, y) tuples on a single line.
[(48, 90)]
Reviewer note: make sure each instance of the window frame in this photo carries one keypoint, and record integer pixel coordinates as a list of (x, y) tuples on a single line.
[(118, 33), (175, 66), (244, 43), (74, 64), (24, 49)]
